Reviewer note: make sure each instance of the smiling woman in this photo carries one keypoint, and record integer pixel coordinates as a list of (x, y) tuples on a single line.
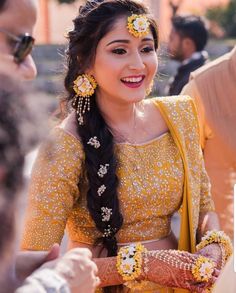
[(120, 165)]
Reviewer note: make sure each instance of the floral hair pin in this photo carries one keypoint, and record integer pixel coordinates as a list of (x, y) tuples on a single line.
[(138, 25), (101, 190), (106, 214), (93, 141), (103, 170)]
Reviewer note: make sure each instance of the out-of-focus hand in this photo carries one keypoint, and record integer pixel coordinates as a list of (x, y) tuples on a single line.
[(28, 261), (77, 268), (213, 252)]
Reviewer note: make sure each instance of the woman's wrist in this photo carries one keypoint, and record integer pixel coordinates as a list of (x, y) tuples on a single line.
[(221, 242), (139, 267)]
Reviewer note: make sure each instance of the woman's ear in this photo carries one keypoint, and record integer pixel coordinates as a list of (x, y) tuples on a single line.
[(90, 71)]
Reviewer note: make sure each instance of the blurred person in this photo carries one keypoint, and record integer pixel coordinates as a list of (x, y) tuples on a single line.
[(227, 279), (186, 44), (118, 167), (56, 275), (17, 21), (213, 88)]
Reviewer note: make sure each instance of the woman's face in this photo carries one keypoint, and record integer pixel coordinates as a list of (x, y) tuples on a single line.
[(124, 65)]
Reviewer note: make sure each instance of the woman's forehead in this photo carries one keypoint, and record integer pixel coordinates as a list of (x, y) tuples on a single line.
[(119, 31)]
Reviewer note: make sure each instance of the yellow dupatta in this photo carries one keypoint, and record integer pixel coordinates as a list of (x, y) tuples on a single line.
[(180, 116)]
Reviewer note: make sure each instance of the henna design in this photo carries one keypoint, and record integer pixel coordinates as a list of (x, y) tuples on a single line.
[(107, 271), (157, 269)]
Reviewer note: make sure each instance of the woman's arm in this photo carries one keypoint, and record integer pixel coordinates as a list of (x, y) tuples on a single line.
[(53, 190), (208, 219), (156, 269)]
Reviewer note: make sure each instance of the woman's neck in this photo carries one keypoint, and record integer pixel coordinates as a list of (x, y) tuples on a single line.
[(117, 115)]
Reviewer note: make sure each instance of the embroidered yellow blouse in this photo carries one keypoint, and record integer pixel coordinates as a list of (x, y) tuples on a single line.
[(150, 191), (152, 182)]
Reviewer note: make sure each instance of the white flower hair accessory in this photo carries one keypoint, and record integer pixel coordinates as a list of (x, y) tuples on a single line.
[(93, 141), (138, 25), (106, 214), (101, 190), (108, 231), (103, 170)]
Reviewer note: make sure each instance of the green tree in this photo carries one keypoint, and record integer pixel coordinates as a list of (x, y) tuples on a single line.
[(225, 17)]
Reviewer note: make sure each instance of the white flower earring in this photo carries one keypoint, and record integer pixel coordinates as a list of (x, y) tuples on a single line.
[(84, 87)]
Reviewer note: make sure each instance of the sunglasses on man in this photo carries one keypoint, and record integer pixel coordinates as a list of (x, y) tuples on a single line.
[(23, 45)]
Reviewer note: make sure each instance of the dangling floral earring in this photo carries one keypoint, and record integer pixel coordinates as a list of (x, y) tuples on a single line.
[(150, 87), (84, 87)]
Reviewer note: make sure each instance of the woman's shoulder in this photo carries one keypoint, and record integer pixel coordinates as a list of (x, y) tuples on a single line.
[(176, 110), (182, 104), (69, 127), (172, 100), (63, 138)]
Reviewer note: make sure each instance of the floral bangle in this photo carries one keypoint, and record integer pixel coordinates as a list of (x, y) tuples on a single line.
[(203, 269), (129, 261), (220, 238)]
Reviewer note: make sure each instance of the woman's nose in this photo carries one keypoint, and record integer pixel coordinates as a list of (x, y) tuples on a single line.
[(136, 62)]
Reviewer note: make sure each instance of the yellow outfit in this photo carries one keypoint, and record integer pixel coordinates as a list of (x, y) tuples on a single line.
[(156, 179)]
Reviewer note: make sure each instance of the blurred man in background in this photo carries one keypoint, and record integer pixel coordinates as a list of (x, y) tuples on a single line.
[(17, 119), (187, 41), (17, 21), (213, 87)]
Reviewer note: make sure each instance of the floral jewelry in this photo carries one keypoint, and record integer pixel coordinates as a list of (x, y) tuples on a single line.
[(101, 190), (103, 170), (220, 238), (138, 25), (106, 214), (203, 269), (93, 141), (149, 89), (129, 261), (84, 87), (108, 232)]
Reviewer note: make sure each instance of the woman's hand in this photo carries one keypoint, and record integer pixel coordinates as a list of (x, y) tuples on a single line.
[(164, 273), (213, 252)]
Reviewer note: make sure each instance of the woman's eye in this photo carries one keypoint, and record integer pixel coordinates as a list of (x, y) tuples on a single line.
[(147, 49), (119, 51)]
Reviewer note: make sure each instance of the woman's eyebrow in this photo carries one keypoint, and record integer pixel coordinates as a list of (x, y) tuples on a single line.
[(125, 41)]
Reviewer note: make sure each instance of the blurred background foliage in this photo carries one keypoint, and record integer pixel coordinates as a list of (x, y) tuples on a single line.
[(66, 1), (224, 18)]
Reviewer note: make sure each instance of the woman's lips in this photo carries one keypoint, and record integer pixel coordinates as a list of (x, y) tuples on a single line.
[(133, 81)]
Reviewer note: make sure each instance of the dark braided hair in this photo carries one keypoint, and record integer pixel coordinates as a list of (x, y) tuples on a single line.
[(96, 18)]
